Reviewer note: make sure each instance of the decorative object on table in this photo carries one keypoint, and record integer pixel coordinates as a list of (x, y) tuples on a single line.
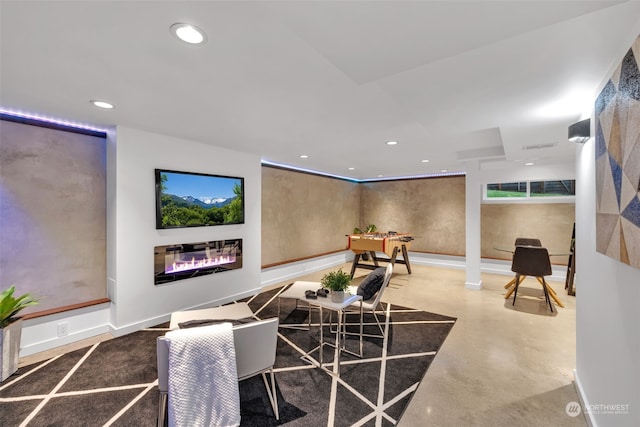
[(310, 294), (617, 152), (322, 292), (11, 329), (337, 282)]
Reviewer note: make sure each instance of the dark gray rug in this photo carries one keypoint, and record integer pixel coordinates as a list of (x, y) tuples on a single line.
[(113, 383)]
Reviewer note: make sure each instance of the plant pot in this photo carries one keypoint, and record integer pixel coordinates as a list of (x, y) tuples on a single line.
[(10, 348), (337, 296)]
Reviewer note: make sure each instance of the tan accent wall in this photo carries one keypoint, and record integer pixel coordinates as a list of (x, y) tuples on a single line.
[(552, 223), (305, 215), (432, 210), (52, 215)]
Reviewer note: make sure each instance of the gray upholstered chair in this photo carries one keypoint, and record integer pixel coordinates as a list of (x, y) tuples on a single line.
[(255, 347), (527, 241), (521, 241), (531, 261)]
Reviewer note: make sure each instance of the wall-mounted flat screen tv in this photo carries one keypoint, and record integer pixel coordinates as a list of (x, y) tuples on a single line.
[(187, 199)]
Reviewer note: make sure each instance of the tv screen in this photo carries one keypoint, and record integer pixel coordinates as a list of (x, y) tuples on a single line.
[(186, 199)]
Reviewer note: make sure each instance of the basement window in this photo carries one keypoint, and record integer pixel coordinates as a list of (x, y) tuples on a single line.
[(560, 190)]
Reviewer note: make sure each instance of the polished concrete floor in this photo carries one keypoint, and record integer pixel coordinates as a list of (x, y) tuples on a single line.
[(501, 365)]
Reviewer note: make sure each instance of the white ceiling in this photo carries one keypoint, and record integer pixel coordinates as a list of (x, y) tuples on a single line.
[(450, 81)]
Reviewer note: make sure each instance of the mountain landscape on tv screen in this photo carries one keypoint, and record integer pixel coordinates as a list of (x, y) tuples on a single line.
[(204, 202)]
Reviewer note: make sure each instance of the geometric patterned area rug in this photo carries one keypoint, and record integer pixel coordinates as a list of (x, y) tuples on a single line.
[(115, 382)]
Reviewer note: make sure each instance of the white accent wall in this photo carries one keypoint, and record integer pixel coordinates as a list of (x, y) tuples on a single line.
[(132, 236), (607, 314)]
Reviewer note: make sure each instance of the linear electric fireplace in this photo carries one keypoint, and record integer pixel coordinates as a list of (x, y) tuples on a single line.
[(187, 260)]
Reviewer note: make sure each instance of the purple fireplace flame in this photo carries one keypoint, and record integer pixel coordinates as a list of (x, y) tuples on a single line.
[(197, 260)]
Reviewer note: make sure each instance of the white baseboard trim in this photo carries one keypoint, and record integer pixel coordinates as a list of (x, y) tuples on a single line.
[(473, 286), (584, 402), (156, 320), (281, 273), (53, 342), (41, 334), (558, 272), (435, 260)]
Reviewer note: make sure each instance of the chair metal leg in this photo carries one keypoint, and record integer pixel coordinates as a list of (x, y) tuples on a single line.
[(375, 316), (162, 408), (513, 281), (546, 294), (552, 293), (271, 392), (515, 294)]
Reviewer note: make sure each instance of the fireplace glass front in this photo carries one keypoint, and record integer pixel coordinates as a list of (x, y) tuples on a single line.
[(186, 260)]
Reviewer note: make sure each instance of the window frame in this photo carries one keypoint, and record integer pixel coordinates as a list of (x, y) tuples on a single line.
[(527, 198)]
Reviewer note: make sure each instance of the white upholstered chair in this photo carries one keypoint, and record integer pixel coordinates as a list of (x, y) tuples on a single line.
[(373, 303), (255, 347)]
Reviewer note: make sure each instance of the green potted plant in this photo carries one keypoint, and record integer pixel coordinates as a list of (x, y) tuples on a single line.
[(371, 228), (11, 329), (337, 282)]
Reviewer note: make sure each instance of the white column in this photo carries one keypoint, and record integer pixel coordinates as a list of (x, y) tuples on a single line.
[(473, 198)]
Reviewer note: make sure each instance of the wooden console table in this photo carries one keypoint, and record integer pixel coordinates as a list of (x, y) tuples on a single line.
[(388, 243)]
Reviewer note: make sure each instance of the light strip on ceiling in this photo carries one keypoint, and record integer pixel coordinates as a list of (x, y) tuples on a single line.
[(395, 178), (51, 120), (311, 171)]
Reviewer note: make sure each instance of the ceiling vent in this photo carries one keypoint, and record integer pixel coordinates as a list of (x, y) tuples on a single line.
[(539, 146)]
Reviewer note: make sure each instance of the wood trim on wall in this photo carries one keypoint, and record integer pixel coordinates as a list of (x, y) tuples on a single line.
[(276, 264), (65, 308)]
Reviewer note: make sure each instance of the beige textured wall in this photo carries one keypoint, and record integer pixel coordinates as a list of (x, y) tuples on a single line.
[(52, 214), (433, 210), (305, 215), (552, 223)]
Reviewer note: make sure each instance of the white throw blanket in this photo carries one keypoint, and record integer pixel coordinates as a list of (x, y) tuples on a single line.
[(203, 381)]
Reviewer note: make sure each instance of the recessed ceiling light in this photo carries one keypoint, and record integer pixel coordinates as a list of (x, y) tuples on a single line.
[(304, 156), (189, 33), (425, 161), (529, 164), (102, 104), (352, 169), (380, 176), (392, 142), (444, 170)]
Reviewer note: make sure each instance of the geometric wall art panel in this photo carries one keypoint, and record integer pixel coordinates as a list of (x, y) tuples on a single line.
[(617, 139)]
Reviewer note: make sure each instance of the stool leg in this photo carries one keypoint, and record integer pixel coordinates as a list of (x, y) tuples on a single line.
[(546, 294)]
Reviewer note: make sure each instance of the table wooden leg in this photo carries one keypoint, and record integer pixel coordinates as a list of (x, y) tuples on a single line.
[(356, 260), (374, 258), (405, 255), (394, 255)]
